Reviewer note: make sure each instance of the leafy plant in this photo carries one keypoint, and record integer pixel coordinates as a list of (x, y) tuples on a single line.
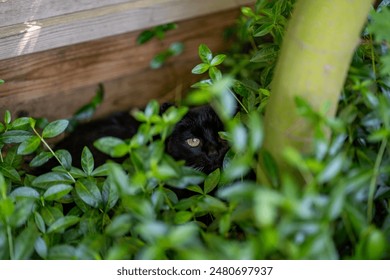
[(340, 210), (159, 33)]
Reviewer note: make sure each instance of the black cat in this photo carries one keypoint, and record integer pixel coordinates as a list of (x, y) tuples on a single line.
[(194, 139)]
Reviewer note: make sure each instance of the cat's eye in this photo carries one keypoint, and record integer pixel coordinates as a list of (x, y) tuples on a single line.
[(193, 142)]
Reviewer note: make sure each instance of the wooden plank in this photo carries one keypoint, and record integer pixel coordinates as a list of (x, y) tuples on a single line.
[(19, 11), (55, 83), (63, 25)]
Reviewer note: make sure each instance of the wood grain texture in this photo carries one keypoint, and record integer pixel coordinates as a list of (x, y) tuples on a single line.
[(45, 24), (56, 82)]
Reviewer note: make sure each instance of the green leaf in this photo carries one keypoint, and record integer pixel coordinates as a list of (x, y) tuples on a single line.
[(380, 25), (145, 36), (7, 208), (263, 30), (271, 168), (87, 161), (57, 191), (111, 146), (200, 68), (152, 108), (176, 48), (10, 172), (225, 103), (158, 60), (51, 214), (239, 191), (119, 178), (1, 82), (21, 123), (62, 252), (255, 128), (12, 158), (24, 243), (198, 97), (239, 137), (29, 146), (188, 177), (379, 135), (195, 188), (41, 159), (224, 224), (15, 136), (182, 235), (333, 168), (26, 192), (217, 60), (215, 74), (23, 210), (182, 217), (60, 225), (385, 62), (204, 84), (52, 178), (65, 158), (110, 195), (212, 204), (89, 192), (205, 53), (100, 171), (7, 117), (373, 244), (39, 222), (212, 181), (246, 11), (119, 226), (3, 187), (265, 54), (152, 230), (266, 206), (55, 128), (41, 247)]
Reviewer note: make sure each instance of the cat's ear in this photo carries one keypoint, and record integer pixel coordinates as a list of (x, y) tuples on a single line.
[(165, 106)]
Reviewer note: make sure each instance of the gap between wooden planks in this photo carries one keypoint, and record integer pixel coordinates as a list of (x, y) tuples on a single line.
[(57, 82)]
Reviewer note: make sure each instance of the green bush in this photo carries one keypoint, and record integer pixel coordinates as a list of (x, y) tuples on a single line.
[(339, 210)]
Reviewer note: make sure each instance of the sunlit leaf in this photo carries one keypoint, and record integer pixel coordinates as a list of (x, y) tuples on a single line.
[(89, 192), (87, 161), (57, 191), (55, 128), (205, 53), (26, 192), (63, 223)]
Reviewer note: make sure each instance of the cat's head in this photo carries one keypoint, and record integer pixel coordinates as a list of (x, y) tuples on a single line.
[(195, 140)]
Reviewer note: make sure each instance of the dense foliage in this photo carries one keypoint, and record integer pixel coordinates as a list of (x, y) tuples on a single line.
[(338, 210)]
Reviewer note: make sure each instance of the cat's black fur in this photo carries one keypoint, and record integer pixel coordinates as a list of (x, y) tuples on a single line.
[(200, 122)]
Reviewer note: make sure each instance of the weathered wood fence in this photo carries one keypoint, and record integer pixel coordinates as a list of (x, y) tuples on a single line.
[(53, 53)]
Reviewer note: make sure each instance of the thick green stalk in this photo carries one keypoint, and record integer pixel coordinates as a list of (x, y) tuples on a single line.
[(316, 53)]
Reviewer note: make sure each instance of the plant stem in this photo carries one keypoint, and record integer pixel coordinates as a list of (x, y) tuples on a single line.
[(53, 153), (372, 56), (239, 102), (10, 242), (312, 65), (372, 187)]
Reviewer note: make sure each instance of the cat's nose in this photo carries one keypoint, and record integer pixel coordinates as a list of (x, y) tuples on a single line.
[(212, 152)]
